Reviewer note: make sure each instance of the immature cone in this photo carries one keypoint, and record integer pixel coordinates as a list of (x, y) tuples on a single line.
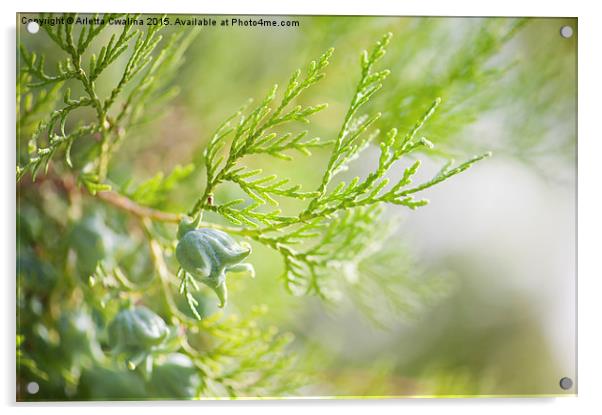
[(174, 377), (137, 328), (208, 254)]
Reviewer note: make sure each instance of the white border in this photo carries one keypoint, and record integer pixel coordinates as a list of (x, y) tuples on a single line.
[(351, 7), (590, 208)]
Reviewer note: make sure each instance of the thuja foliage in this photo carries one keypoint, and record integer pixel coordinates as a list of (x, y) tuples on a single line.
[(337, 223), (464, 81), (144, 75), (108, 287)]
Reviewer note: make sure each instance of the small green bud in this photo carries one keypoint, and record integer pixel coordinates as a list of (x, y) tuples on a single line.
[(174, 377), (208, 254), (137, 328)]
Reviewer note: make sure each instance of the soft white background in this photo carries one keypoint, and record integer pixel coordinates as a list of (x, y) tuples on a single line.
[(590, 207)]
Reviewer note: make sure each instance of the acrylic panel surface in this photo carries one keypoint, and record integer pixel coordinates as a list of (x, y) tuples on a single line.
[(398, 222)]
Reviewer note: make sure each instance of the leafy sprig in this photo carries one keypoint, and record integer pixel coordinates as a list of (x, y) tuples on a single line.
[(245, 359), (338, 223), (252, 135), (144, 73)]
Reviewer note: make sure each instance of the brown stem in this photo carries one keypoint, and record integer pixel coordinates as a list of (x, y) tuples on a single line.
[(163, 272), (143, 212), (68, 184), (123, 203)]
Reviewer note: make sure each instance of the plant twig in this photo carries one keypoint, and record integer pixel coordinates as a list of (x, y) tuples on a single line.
[(163, 272), (144, 212), (124, 203)]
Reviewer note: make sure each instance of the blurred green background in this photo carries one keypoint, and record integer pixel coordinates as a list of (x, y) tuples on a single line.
[(480, 283)]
